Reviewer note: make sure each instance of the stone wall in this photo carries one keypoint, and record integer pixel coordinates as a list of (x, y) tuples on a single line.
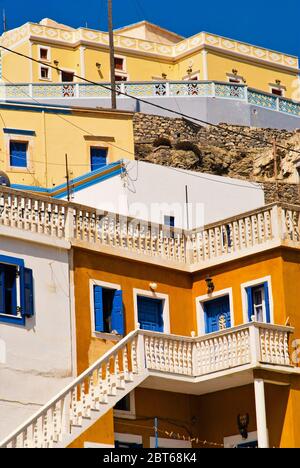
[(234, 151)]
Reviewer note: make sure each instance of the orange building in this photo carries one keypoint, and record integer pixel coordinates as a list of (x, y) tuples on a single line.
[(184, 339)]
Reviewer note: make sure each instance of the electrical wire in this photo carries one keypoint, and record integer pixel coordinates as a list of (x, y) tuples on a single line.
[(191, 119), (255, 185)]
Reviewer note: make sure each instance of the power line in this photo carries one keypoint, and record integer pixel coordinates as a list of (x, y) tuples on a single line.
[(115, 146), (158, 106)]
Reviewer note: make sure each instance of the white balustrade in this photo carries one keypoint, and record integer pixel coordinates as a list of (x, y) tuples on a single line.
[(141, 353), (241, 234), (144, 89)]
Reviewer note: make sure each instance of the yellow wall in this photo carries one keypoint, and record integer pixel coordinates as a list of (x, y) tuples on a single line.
[(144, 67), (256, 76), (59, 134), (16, 69)]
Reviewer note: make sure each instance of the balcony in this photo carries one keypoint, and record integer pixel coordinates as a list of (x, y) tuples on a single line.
[(191, 365), (152, 89), (43, 219)]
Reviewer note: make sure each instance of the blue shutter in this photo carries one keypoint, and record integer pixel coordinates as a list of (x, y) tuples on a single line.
[(250, 303), (267, 303), (117, 315), (2, 290), (26, 286), (98, 309), (18, 154), (150, 314), (98, 158)]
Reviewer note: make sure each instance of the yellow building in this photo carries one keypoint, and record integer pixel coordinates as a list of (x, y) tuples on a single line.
[(144, 52), (35, 140), (189, 336)]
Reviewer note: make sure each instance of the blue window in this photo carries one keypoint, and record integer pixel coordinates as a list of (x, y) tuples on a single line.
[(108, 310), (150, 313), (98, 158), (18, 153), (169, 221), (16, 291), (259, 303), (217, 314)]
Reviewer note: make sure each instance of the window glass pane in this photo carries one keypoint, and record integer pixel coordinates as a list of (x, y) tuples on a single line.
[(107, 297), (8, 289)]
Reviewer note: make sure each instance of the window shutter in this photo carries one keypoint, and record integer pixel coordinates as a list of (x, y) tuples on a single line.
[(2, 291), (26, 285), (98, 309), (117, 315), (267, 303), (250, 303)]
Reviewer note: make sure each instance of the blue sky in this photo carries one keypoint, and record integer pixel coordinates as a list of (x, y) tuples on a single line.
[(263, 22)]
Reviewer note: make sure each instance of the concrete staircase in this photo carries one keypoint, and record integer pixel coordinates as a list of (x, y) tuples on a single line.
[(85, 400)]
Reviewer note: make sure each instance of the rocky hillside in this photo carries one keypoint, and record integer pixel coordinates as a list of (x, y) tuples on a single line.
[(227, 150)]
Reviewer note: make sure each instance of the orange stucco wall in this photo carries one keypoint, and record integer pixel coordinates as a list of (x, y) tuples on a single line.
[(217, 412)]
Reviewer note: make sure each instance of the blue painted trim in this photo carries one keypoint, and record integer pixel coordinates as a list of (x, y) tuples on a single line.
[(35, 108), (15, 131), (96, 178), (11, 260), (88, 184), (13, 320), (6, 318)]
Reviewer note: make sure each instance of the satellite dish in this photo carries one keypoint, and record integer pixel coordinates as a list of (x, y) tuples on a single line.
[(4, 179)]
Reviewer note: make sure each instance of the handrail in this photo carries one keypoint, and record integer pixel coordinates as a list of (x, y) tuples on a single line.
[(69, 387), (172, 354)]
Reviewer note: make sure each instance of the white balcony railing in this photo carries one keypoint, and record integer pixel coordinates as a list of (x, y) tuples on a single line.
[(244, 234), (142, 354), (152, 89)]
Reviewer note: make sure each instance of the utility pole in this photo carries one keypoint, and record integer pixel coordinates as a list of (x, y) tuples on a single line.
[(112, 56), (68, 178)]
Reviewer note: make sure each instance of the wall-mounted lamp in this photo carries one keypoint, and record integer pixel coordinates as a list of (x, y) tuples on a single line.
[(98, 65), (243, 423), (56, 62), (210, 285), (153, 286)]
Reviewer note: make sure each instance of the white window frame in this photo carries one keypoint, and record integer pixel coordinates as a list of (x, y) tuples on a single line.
[(49, 72), (239, 78), (124, 69), (153, 295), (128, 438), (123, 72), (48, 60), (277, 87), (170, 443), (131, 414), (95, 334), (67, 70), (253, 283), (22, 139), (233, 441), (200, 302)]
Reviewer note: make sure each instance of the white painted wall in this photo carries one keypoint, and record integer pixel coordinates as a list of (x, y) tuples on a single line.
[(37, 361), (150, 191)]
